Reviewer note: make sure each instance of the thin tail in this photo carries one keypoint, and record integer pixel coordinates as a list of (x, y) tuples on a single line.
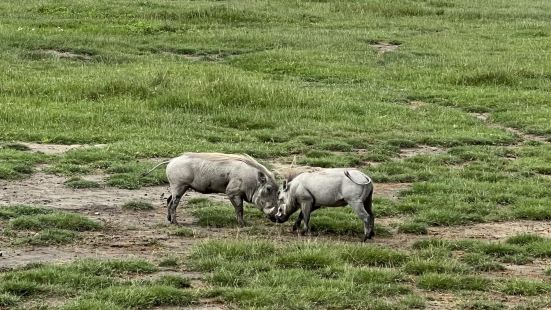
[(148, 172), (347, 174)]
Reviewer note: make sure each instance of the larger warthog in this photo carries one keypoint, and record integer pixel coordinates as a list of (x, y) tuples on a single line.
[(240, 177), (326, 188)]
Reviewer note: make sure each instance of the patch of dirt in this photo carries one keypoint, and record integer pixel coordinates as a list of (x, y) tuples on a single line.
[(524, 136), (535, 270), (49, 190), (50, 148), (492, 231), (197, 57), (53, 149), (421, 150), (390, 190), (67, 55), (481, 116), (125, 234), (416, 104), (384, 47), (438, 301)]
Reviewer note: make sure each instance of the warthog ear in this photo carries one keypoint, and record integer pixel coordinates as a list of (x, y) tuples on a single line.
[(262, 177), (285, 186)]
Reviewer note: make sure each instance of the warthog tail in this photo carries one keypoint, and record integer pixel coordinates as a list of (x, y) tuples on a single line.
[(347, 174), (148, 172)]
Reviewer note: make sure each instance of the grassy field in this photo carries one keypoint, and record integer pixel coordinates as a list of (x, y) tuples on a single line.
[(444, 103)]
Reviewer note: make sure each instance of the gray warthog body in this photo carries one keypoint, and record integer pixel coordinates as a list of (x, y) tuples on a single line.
[(240, 177), (327, 188)]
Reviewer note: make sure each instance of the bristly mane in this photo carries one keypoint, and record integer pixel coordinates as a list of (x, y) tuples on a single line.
[(241, 157), (291, 174)]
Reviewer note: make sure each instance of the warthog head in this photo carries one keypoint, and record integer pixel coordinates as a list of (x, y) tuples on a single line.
[(285, 208), (265, 196)]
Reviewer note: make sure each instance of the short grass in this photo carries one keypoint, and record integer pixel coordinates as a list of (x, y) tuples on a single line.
[(154, 79), (299, 270), (95, 284), (78, 183), (31, 225), (138, 205)]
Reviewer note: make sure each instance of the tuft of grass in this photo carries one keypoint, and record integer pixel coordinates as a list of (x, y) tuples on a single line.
[(233, 250), (174, 281), (416, 228), (423, 266), (219, 214), (445, 282), (16, 146), (51, 236), (482, 305), (183, 232), (7, 300), (79, 183), (114, 267), (90, 304), (373, 256), (169, 262), (482, 262), (517, 259), (58, 220), (523, 239), (138, 205), (145, 297), (8, 212), (307, 258), (524, 287), (19, 288)]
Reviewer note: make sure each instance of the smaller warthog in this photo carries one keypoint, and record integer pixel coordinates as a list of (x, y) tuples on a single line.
[(240, 177), (327, 188)]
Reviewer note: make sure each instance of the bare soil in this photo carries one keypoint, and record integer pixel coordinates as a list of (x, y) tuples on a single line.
[(385, 47), (485, 117), (67, 55), (421, 150)]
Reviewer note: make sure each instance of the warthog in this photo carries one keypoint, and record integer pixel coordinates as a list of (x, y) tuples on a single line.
[(326, 188), (240, 177)]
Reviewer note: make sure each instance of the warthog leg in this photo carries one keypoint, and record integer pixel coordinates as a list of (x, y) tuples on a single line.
[(298, 222), (237, 203), (177, 194), (358, 207), (306, 208), (233, 191), (368, 206)]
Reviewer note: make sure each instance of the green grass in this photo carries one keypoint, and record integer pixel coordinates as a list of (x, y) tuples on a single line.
[(174, 281), (78, 183), (518, 249), (50, 236), (154, 79), (59, 220), (415, 228), (422, 266), (30, 225), (309, 274), (436, 282), (138, 205), (482, 305), (7, 299), (183, 232), (525, 287), (95, 283), (169, 262), (13, 211)]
